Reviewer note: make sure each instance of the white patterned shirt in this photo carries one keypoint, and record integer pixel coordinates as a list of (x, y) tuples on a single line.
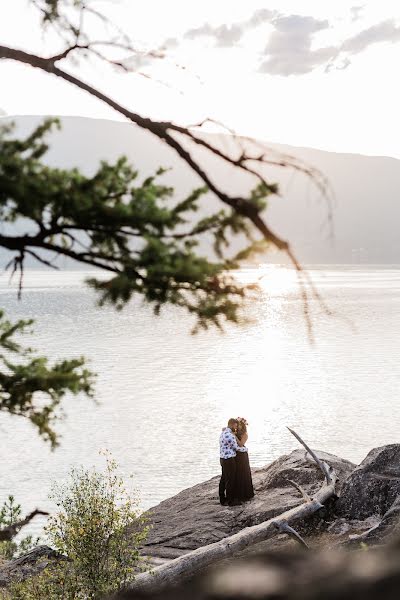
[(228, 444)]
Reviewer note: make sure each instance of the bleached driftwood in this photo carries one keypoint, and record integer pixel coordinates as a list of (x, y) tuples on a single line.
[(195, 561), (284, 527)]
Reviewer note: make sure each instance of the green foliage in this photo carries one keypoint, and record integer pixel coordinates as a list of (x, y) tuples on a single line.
[(52, 583), (11, 513), (99, 530), (260, 193), (136, 232), (29, 386)]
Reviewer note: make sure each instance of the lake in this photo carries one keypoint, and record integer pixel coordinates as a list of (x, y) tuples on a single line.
[(163, 394)]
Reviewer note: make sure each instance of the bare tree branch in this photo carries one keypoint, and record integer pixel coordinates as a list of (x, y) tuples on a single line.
[(163, 131), (284, 527), (325, 469), (300, 489), (11, 531)]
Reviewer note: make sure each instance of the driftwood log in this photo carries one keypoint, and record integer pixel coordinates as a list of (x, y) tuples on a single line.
[(196, 561), (324, 575)]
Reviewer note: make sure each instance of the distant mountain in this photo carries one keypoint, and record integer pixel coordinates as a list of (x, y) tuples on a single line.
[(365, 209)]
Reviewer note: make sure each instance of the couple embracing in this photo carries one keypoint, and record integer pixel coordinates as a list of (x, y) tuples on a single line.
[(236, 485)]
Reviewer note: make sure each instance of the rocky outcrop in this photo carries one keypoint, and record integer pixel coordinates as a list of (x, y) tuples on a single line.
[(382, 530), (373, 486), (29, 564), (194, 517), (367, 510)]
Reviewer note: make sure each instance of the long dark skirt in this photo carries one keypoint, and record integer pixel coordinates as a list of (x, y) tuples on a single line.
[(244, 484)]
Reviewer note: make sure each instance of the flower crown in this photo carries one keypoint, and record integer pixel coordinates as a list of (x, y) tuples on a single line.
[(242, 420)]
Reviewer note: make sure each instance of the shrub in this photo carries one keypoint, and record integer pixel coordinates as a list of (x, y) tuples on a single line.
[(99, 529), (52, 583)]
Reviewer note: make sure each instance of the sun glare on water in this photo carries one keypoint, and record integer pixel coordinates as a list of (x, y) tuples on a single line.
[(273, 280), (259, 386)]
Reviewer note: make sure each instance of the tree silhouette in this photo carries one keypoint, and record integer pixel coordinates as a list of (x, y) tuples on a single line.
[(136, 233)]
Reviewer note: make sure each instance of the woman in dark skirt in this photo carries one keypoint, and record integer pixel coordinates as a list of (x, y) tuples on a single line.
[(244, 484)]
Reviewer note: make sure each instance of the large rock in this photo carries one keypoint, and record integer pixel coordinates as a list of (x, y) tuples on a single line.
[(373, 486), (194, 517), (384, 530), (27, 565)]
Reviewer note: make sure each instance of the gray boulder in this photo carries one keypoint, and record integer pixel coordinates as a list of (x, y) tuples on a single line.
[(194, 517), (373, 486), (384, 530), (27, 565)]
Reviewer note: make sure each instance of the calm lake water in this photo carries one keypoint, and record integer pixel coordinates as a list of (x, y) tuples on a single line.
[(164, 394)]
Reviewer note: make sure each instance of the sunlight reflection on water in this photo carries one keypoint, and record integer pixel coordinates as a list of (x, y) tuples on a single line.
[(165, 394)]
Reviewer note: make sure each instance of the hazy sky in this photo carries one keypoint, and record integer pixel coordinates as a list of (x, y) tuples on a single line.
[(303, 72)]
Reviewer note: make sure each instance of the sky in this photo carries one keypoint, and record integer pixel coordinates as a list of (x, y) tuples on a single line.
[(300, 72)]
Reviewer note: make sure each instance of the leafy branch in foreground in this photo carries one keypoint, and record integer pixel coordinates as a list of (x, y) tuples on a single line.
[(136, 232), (30, 387)]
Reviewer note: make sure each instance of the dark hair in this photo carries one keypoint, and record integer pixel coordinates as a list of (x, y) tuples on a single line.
[(232, 422)]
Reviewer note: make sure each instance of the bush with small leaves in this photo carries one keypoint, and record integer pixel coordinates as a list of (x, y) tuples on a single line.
[(99, 529)]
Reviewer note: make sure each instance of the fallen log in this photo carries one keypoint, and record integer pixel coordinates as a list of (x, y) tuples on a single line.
[(329, 574), (197, 560)]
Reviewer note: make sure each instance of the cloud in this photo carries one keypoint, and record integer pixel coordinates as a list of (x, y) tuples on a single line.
[(263, 15), (386, 31), (356, 12), (170, 44), (224, 35), (339, 64), (299, 25), (229, 35), (289, 48)]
